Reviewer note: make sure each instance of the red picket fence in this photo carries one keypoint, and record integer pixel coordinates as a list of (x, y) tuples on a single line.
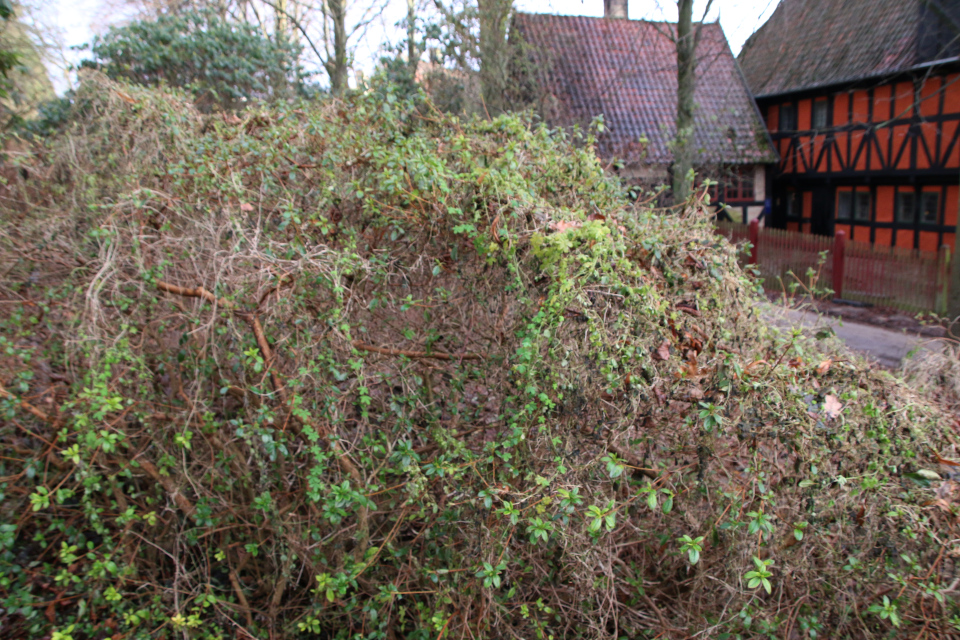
[(905, 279)]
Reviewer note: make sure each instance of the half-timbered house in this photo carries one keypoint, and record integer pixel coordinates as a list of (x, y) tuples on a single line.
[(862, 100)]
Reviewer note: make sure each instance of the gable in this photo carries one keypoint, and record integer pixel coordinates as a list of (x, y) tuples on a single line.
[(626, 71)]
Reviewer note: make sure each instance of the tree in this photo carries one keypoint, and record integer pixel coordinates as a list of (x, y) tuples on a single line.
[(224, 64), (337, 63), (8, 58), (687, 39), (327, 31), (494, 16), (475, 38), (24, 81)]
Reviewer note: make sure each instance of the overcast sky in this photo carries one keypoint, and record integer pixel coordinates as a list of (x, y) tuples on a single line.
[(79, 19)]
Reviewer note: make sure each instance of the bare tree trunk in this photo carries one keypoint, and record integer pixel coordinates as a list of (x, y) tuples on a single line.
[(337, 64), (686, 83), (494, 16), (413, 56), (280, 30)]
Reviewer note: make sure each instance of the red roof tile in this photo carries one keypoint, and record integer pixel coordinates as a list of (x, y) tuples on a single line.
[(626, 70), (808, 44)]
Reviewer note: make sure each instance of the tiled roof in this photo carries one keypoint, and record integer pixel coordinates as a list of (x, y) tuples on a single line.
[(626, 70), (813, 43)]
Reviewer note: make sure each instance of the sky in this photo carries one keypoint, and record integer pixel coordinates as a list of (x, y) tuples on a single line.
[(79, 20)]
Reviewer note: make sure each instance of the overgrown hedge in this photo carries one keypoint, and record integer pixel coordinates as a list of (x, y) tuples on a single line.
[(363, 370)]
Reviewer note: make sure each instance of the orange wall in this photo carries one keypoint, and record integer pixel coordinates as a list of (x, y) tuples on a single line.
[(841, 104), (818, 162), (861, 106), (953, 160), (773, 117), (885, 196), (903, 100), (803, 115), (928, 241), (899, 101), (896, 99), (929, 132), (899, 138), (879, 158), (857, 138), (951, 94), (905, 239), (930, 97), (882, 96)]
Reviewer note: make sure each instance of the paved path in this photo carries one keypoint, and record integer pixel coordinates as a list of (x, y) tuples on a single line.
[(883, 345)]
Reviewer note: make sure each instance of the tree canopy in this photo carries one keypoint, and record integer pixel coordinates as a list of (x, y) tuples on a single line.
[(223, 63)]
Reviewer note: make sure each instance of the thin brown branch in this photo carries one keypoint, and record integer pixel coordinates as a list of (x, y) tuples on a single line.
[(29, 408), (168, 485), (241, 598), (197, 292), (265, 351)]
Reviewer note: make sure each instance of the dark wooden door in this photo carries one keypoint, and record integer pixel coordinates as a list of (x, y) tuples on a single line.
[(821, 214)]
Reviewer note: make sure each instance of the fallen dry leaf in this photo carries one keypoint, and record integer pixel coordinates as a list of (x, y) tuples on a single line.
[(125, 97), (832, 406), (952, 463), (246, 206), (824, 366), (563, 225), (688, 310), (662, 352), (941, 504)]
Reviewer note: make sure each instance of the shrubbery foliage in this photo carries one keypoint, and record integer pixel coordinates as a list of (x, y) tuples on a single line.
[(363, 370), (221, 62)]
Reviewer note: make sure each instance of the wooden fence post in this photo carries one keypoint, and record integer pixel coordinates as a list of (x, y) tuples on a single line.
[(839, 247), (754, 241), (943, 272)]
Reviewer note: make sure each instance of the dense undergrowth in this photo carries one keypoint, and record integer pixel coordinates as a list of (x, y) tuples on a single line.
[(363, 370)]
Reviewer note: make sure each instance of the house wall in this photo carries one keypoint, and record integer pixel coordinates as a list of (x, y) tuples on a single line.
[(740, 205), (646, 174), (745, 207), (884, 142)]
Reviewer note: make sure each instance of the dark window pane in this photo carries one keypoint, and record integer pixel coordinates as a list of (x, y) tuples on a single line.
[(788, 118), (844, 205), (905, 206), (930, 207), (820, 114), (794, 205), (861, 210)]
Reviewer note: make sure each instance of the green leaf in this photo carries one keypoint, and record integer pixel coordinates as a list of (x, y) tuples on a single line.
[(667, 504)]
